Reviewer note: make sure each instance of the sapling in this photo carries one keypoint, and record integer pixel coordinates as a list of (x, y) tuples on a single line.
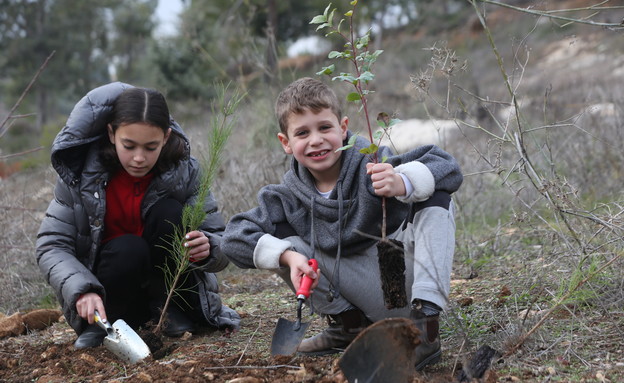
[(193, 214), (356, 52)]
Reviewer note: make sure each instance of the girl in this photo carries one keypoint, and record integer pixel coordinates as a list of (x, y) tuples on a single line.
[(124, 174)]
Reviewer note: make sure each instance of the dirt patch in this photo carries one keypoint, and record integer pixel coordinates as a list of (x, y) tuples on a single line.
[(243, 356)]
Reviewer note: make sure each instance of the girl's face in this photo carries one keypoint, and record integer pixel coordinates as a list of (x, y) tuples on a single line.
[(138, 146)]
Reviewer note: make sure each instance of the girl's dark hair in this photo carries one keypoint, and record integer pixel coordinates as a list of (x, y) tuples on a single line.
[(142, 105)]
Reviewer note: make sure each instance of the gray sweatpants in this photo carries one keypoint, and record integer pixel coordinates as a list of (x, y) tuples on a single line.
[(429, 244)]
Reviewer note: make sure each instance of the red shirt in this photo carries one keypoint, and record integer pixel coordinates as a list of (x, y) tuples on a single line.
[(124, 194)]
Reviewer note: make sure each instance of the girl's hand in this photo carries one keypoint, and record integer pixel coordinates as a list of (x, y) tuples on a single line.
[(298, 264), (386, 182), (87, 304), (198, 245)]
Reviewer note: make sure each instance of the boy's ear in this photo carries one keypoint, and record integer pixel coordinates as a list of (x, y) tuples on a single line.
[(344, 126), (111, 134), (283, 139)]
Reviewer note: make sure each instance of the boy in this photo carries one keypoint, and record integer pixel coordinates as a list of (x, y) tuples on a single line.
[(328, 207)]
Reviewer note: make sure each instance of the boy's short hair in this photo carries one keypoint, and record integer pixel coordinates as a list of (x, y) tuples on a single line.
[(305, 93)]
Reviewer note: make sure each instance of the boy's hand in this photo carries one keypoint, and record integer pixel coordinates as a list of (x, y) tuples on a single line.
[(298, 264), (198, 245), (87, 304), (386, 182)]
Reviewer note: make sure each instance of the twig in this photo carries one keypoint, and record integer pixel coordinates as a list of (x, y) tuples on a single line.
[(20, 153), (19, 101), (7, 207), (550, 14), (248, 342), (274, 367)]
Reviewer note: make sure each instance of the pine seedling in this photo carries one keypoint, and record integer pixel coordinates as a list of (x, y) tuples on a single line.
[(193, 214)]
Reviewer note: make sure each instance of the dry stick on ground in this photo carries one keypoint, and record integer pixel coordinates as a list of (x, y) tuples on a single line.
[(249, 341)]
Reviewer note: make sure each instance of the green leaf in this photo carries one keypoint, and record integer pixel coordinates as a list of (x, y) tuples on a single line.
[(366, 76), (384, 159), (372, 149), (339, 25), (343, 148), (349, 145), (322, 26), (362, 42), (328, 70), (326, 10), (354, 2), (354, 96), (394, 121), (349, 14), (318, 19), (377, 135), (347, 77), (334, 54)]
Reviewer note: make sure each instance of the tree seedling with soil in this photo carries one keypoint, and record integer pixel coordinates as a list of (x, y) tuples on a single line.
[(357, 53), (193, 214)]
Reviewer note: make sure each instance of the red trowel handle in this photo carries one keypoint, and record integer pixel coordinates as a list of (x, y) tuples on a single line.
[(306, 282)]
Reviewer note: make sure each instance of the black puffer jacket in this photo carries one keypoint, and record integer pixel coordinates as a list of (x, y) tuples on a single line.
[(70, 235)]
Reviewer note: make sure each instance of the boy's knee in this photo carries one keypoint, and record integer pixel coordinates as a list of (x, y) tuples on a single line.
[(439, 199)]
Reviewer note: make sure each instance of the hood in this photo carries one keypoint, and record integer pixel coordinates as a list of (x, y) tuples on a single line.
[(87, 125)]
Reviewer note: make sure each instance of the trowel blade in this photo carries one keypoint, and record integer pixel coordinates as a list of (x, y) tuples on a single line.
[(286, 339), (126, 343), (383, 352)]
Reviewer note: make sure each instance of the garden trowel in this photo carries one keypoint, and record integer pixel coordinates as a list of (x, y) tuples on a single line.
[(288, 335), (122, 340)]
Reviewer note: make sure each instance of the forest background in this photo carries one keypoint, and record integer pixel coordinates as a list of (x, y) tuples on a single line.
[(527, 95)]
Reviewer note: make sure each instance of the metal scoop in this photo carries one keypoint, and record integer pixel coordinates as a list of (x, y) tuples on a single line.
[(122, 340), (288, 335)]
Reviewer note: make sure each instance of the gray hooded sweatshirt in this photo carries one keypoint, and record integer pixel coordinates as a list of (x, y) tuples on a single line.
[(352, 208), (70, 235)]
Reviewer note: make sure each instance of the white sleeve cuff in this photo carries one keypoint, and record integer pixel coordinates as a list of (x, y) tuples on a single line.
[(420, 177), (408, 185), (268, 251)]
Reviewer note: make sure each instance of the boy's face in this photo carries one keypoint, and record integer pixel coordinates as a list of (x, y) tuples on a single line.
[(313, 139)]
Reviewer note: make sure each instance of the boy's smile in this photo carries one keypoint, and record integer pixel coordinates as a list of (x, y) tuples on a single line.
[(313, 139)]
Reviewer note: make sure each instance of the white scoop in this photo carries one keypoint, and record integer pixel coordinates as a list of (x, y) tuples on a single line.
[(122, 340)]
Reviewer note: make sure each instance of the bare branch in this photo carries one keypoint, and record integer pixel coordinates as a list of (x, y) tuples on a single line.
[(3, 130), (552, 14)]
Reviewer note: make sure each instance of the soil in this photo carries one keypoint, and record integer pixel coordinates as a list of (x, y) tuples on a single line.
[(243, 356), (392, 270)]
